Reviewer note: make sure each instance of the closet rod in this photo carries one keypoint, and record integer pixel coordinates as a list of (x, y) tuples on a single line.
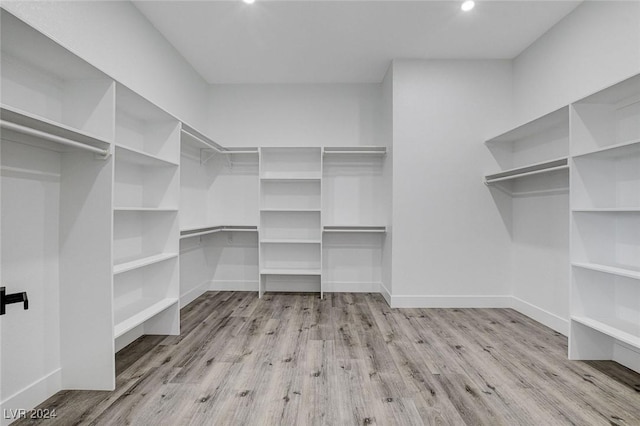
[(54, 138), (215, 148)]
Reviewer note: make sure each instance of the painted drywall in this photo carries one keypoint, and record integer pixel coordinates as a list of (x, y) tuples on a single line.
[(595, 46), (116, 38), (295, 115), (451, 246)]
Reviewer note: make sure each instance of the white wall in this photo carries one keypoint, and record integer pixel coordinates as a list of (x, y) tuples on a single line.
[(598, 44), (116, 38), (295, 115), (451, 246)]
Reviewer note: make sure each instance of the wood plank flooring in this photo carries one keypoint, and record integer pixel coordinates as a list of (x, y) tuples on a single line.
[(293, 359)]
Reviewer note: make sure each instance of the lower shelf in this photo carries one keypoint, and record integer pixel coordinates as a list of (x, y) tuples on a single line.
[(614, 270), (274, 271), (139, 263), (131, 316), (623, 331)]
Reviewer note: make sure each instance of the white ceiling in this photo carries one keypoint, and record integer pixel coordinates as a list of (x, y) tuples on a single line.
[(324, 41)]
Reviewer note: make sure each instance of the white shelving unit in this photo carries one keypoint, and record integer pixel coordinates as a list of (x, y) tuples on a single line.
[(537, 148), (605, 225), (57, 119), (290, 220), (354, 218), (146, 201)]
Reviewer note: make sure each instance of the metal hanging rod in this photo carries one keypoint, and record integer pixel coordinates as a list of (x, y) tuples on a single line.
[(215, 148), (54, 138)]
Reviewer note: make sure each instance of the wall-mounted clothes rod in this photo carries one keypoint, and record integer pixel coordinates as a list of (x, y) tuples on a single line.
[(54, 138), (202, 141)]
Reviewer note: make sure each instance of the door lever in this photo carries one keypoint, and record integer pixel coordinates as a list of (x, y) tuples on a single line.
[(7, 299)]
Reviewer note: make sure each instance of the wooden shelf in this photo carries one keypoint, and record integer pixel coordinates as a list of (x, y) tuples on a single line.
[(613, 327), (41, 124), (134, 314), (197, 232), (355, 150), (528, 170), (274, 271), (619, 150), (354, 229), (288, 241), (139, 263), (131, 155), (613, 270)]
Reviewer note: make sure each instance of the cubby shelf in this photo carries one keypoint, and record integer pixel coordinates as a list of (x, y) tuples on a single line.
[(27, 120), (354, 228), (142, 262), (130, 316), (613, 327), (622, 149), (280, 271), (614, 270), (529, 170), (131, 155)]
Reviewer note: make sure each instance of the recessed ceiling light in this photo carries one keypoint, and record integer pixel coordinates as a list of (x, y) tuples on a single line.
[(249, 1), (468, 5)]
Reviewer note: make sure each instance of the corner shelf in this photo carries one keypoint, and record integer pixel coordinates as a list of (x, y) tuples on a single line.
[(137, 313), (139, 263), (613, 270)]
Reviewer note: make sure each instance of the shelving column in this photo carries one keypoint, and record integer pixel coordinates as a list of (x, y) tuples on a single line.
[(605, 225), (146, 233), (290, 230)]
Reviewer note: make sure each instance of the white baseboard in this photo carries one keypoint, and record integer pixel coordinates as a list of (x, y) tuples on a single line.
[(31, 395), (544, 317), (627, 356), (384, 291), (233, 285), (351, 287), (191, 295), (416, 301)]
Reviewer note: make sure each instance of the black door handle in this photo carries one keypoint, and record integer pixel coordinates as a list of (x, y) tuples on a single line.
[(7, 299)]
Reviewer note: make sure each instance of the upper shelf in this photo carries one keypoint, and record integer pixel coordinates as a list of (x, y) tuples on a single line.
[(539, 125), (624, 149), (529, 170), (627, 89), (197, 232), (30, 128), (355, 150), (354, 229)]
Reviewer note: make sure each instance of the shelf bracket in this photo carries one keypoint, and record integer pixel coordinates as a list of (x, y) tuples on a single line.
[(212, 153)]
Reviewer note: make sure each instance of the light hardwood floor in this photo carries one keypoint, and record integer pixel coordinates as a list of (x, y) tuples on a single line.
[(293, 359)]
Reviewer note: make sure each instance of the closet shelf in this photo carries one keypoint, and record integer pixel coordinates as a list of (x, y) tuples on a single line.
[(279, 271), (354, 229), (134, 314), (624, 149), (288, 241), (529, 170), (621, 330), (139, 263), (358, 150), (290, 177), (131, 155), (144, 209), (286, 209), (539, 125), (613, 270), (197, 232), (58, 132), (190, 136), (608, 210)]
